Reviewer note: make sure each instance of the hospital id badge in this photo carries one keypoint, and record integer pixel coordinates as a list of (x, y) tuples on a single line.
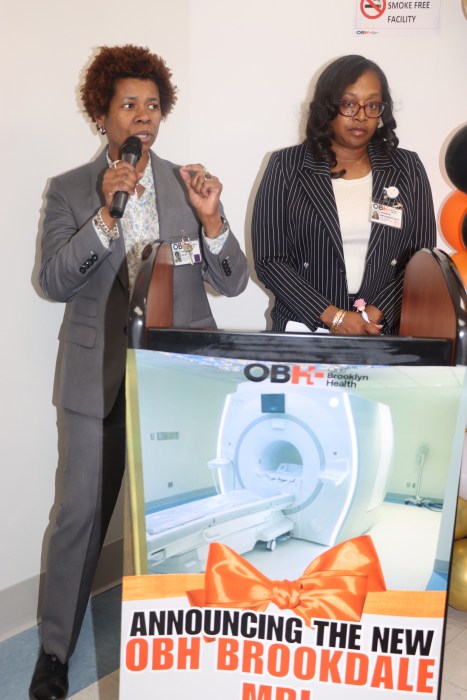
[(186, 251), (386, 214)]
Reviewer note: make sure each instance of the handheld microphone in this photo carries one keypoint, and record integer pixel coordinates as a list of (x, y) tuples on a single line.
[(131, 153)]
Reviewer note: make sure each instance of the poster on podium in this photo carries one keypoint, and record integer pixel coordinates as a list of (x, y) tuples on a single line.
[(291, 527)]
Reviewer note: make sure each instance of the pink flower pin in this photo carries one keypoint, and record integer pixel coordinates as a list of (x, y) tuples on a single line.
[(360, 305)]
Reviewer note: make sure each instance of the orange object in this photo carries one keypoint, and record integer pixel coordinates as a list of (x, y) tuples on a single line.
[(460, 261), (453, 213), (391, 602), (334, 586)]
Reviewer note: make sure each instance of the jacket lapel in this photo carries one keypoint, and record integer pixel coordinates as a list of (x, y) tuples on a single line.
[(384, 175), (317, 183), (167, 196)]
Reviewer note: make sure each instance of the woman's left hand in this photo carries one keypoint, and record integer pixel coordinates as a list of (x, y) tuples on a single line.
[(204, 191), (374, 314)]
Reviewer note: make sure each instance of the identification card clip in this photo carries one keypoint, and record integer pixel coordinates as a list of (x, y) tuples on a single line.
[(387, 211), (186, 251)]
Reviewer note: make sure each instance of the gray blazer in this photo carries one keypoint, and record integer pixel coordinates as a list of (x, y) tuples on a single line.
[(78, 269)]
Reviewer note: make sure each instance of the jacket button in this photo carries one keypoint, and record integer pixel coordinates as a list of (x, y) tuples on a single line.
[(226, 267), (82, 269)]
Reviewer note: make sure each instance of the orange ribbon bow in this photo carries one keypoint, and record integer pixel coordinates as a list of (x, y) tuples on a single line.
[(333, 586)]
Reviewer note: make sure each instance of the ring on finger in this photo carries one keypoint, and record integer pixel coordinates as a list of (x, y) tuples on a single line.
[(115, 163)]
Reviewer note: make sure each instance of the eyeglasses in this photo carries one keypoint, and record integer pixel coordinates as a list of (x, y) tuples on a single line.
[(373, 110)]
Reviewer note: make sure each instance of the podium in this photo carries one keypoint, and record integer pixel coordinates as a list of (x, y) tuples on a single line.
[(433, 319), (273, 548)]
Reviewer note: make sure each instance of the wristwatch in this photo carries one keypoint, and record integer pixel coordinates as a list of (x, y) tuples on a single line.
[(224, 228)]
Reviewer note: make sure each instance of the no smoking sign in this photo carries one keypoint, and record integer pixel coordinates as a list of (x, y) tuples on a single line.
[(372, 9), (404, 18)]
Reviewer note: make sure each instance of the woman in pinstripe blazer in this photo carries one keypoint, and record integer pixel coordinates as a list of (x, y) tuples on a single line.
[(314, 245)]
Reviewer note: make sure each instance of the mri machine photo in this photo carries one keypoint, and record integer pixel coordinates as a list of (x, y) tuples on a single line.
[(291, 462)]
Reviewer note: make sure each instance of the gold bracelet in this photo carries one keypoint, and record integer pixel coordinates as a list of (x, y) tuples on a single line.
[(110, 233), (338, 318)]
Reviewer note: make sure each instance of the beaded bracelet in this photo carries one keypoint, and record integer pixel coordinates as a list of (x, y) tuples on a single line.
[(111, 233)]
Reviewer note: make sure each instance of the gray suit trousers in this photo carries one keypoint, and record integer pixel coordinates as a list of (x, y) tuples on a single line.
[(94, 467)]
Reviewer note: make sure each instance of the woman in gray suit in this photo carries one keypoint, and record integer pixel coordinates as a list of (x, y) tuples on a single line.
[(89, 260), (337, 218)]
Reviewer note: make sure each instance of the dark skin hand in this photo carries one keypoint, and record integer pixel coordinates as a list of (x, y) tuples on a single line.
[(204, 192), (353, 323), (122, 177)]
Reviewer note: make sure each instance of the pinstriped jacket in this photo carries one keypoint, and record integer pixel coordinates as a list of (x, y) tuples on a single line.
[(297, 243)]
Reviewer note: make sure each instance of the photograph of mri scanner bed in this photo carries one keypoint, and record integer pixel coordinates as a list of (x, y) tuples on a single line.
[(288, 463), (320, 465)]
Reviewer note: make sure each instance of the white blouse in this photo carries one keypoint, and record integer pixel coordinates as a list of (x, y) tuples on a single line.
[(353, 206)]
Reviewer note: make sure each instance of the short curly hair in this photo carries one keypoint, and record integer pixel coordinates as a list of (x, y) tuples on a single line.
[(115, 62), (324, 107)]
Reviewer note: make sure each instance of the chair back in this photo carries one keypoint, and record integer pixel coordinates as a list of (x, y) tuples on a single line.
[(151, 304), (434, 301)]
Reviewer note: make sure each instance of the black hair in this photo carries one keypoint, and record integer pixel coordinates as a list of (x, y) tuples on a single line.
[(324, 107)]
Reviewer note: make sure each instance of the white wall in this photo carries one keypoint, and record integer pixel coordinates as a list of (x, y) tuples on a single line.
[(245, 72)]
